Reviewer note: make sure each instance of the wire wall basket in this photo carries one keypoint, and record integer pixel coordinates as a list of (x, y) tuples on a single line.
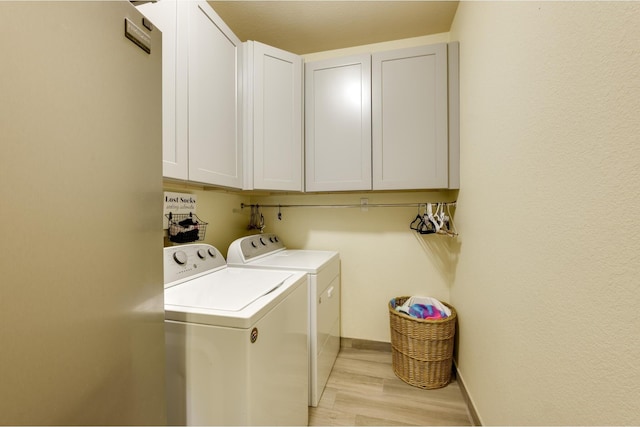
[(186, 228)]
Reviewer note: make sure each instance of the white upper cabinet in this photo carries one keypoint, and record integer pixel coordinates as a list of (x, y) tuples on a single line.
[(273, 137), (233, 115), (214, 97), (202, 82), (164, 15), (386, 121), (410, 118), (338, 124)]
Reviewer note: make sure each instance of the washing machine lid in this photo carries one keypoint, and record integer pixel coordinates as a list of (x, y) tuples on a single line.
[(228, 289), (310, 261), (230, 297)]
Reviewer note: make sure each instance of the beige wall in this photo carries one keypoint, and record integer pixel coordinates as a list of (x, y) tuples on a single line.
[(220, 209), (547, 281)]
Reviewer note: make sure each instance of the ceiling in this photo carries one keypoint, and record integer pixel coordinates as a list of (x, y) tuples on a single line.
[(307, 26)]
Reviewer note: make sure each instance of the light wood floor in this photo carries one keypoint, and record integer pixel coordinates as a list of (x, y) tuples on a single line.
[(363, 390)]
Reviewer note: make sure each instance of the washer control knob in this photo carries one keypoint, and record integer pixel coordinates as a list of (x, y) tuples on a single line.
[(202, 254), (262, 241), (275, 238), (253, 244), (180, 257), (271, 239), (212, 253)]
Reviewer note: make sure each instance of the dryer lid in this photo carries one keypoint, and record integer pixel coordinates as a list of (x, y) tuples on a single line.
[(311, 261), (229, 289)]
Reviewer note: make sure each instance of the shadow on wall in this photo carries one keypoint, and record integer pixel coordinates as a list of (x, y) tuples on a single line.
[(443, 251)]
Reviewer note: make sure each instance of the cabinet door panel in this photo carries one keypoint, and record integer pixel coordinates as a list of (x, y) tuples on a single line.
[(215, 149), (338, 124), (164, 14), (410, 126), (277, 119)]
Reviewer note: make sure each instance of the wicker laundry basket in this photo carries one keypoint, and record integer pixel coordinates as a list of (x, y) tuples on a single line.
[(422, 349)]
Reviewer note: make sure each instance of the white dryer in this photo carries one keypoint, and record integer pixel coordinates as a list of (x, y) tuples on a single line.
[(236, 341), (266, 251)]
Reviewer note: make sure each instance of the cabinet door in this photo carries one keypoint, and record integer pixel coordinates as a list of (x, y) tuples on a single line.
[(410, 128), (273, 122), (215, 107), (163, 14), (338, 124)]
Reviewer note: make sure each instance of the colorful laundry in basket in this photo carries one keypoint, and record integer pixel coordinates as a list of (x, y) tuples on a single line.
[(424, 308)]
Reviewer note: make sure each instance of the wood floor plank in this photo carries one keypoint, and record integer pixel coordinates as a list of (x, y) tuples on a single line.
[(328, 417), (363, 390), (449, 396), (364, 368), (363, 420), (370, 355), (397, 409)]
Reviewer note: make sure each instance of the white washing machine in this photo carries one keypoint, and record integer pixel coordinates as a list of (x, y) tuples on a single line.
[(236, 339), (323, 268)]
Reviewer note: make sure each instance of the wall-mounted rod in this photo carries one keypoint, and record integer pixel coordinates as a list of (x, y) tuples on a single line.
[(352, 205), (436, 222)]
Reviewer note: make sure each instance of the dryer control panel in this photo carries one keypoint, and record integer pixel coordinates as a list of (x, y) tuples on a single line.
[(187, 261), (251, 247)]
